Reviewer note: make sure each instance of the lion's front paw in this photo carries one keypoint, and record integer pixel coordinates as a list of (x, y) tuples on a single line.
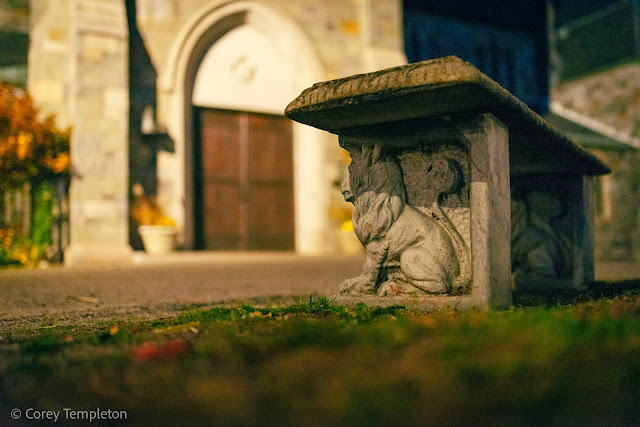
[(357, 286), (393, 288)]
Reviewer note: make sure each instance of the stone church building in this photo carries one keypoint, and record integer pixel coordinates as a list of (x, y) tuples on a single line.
[(186, 98)]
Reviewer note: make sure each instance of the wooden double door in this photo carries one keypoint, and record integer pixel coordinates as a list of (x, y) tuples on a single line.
[(244, 181)]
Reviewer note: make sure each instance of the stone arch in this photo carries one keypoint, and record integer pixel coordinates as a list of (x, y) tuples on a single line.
[(311, 191)]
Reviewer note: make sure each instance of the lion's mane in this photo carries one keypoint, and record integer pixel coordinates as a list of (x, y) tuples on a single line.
[(380, 198)]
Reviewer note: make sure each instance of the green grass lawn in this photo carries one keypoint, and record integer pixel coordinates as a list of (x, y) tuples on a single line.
[(561, 360)]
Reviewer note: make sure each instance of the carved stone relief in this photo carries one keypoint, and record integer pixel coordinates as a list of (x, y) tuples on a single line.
[(539, 245), (422, 171), (412, 246)]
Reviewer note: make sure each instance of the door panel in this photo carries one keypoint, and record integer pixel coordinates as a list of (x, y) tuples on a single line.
[(247, 181), (270, 151), (223, 226), (271, 222), (220, 154)]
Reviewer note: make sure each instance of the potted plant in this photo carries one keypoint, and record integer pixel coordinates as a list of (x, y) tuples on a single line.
[(157, 230)]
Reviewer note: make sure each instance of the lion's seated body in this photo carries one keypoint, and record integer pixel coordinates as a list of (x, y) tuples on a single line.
[(408, 251), (420, 253)]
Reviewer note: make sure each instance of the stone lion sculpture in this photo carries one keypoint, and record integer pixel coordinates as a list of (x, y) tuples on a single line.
[(408, 252), (538, 248)]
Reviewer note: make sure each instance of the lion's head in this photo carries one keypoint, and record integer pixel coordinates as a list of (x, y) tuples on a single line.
[(376, 189)]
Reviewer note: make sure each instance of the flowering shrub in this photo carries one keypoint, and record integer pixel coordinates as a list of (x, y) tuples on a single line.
[(30, 148), (15, 247)]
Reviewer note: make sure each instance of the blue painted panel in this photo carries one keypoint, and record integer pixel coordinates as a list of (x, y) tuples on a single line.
[(517, 61)]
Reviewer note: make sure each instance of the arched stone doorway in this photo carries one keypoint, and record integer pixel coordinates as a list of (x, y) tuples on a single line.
[(243, 151), (258, 82)]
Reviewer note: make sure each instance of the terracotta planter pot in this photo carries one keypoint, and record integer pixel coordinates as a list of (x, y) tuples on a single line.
[(158, 239)]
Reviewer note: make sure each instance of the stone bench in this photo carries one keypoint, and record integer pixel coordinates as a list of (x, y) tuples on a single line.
[(460, 191)]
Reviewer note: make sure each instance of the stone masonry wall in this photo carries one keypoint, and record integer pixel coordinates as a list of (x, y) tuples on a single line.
[(612, 98), (337, 28), (50, 77), (79, 70)]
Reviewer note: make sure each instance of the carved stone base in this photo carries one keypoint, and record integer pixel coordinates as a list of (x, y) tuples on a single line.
[(426, 304)]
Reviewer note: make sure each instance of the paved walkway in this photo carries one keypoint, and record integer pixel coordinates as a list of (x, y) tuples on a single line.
[(161, 286)]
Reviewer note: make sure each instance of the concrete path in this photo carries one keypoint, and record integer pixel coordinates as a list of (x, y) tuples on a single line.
[(161, 286)]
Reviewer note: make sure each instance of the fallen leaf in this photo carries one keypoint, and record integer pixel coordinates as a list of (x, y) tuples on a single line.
[(150, 351), (90, 300), (114, 330)]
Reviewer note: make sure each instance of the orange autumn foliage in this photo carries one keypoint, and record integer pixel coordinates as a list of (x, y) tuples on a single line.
[(30, 147)]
